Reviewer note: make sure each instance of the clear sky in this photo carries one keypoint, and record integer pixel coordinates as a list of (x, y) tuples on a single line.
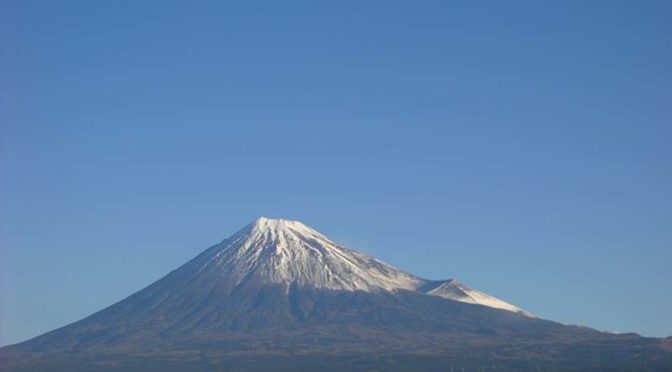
[(524, 148)]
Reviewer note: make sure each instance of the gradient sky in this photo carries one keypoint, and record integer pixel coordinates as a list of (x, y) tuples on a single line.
[(525, 148)]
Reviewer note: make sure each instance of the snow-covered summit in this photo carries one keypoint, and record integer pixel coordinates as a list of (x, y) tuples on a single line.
[(285, 251), (273, 225), (290, 252)]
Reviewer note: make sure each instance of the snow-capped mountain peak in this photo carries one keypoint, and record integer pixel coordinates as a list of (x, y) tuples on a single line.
[(291, 253), (263, 225), (285, 251)]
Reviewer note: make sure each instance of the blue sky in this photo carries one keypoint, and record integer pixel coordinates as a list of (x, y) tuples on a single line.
[(523, 148)]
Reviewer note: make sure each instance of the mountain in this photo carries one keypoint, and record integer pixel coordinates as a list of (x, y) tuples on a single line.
[(278, 295)]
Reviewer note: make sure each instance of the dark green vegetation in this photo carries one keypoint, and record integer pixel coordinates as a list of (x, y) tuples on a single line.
[(329, 362)]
